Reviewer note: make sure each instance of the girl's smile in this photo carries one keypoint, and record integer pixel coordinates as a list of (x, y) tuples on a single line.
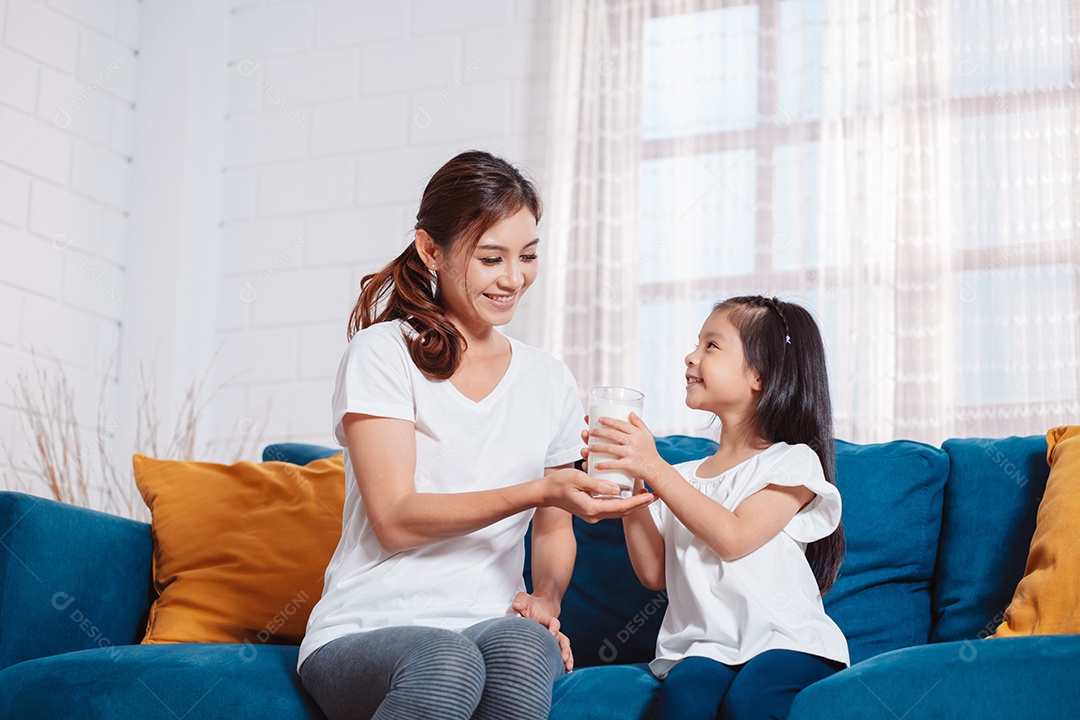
[(718, 378)]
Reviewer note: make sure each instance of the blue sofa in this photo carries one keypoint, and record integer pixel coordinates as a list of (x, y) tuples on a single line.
[(937, 541)]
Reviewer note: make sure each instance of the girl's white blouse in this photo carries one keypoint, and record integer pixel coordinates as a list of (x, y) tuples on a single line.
[(731, 611)]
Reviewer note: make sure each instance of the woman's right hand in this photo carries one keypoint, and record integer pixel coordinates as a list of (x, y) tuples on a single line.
[(573, 490)]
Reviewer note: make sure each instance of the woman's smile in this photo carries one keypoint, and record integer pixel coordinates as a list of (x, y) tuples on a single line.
[(502, 302)]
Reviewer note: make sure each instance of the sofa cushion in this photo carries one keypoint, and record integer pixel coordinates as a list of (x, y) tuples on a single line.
[(991, 501), (239, 550), (159, 682), (1029, 677), (892, 496), (70, 578), (1045, 600), (616, 692)]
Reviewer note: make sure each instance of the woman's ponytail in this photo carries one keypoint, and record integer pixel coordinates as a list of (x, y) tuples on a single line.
[(405, 290)]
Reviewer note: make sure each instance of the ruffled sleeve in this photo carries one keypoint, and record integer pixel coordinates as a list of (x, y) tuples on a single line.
[(800, 465)]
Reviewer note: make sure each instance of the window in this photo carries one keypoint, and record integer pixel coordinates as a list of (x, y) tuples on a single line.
[(758, 177)]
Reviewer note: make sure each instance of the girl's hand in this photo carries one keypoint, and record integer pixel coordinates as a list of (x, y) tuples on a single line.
[(573, 490), (545, 612), (632, 445), (585, 450)]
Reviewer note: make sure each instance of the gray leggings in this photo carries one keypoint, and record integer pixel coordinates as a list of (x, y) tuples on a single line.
[(499, 669)]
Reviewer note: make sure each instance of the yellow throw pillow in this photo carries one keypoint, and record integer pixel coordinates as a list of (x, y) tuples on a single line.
[(239, 550), (1045, 600)]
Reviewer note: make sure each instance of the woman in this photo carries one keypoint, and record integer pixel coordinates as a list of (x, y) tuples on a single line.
[(455, 437)]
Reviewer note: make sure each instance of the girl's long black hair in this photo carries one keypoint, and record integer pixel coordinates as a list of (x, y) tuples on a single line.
[(782, 343)]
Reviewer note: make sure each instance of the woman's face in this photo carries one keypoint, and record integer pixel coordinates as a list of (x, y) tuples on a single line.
[(481, 287)]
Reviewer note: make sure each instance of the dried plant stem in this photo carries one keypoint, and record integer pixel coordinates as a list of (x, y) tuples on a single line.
[(51, 429), (47, 404)]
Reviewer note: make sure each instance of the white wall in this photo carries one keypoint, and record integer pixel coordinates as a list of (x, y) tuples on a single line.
[(218, 181), (338, 114), (68, 72)]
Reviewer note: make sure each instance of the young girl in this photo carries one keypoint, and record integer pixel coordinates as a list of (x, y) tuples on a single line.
[(748, 540), (455, 437)]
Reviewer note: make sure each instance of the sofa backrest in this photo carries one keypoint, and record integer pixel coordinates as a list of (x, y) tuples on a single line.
[(297, 453), (892, 495), (924, 527), (991, 501), (70, 579)]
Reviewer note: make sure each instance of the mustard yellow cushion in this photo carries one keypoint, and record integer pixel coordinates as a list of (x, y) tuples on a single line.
[(1045, 602), (239, 550)]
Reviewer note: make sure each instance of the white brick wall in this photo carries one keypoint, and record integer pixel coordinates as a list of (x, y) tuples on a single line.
[(68, 73), (338, 114), (335, 115)]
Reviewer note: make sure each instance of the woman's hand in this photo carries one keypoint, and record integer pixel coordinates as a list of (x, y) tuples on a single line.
[(567, 653), (573, 490), (545, 611), (632, 445)]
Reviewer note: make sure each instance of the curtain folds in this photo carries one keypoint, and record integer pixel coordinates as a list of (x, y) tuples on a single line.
[(908, 170), (592, 222)]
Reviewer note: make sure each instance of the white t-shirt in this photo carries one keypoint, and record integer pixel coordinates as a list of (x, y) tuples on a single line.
[(732, 611), (532, 420)]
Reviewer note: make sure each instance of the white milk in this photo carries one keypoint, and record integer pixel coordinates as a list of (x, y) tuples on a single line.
[(618, 412)]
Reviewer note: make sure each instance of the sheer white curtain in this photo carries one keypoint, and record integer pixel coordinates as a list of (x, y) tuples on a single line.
[(908, 170), (592, 216)]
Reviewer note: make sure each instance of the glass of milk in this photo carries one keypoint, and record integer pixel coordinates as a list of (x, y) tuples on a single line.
[(617, 403)]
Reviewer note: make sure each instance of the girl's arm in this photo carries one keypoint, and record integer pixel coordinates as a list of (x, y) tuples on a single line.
[(383, 453), (645, 545), (730, 535)]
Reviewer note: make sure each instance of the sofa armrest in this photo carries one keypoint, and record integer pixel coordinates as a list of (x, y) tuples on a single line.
[(70, 578), (993, 679)]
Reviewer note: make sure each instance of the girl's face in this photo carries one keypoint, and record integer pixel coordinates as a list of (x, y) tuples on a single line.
[(481, 288), (718, 379)]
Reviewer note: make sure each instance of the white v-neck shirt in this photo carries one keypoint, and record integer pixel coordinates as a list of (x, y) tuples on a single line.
[(734, 610), (532, 420)]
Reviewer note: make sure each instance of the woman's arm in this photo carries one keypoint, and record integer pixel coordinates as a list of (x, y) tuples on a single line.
[(554, 550), (383, 453), (730, 535)]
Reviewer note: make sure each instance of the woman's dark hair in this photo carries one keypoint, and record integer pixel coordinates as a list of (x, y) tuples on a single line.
[(464, 199), (783, 345)]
